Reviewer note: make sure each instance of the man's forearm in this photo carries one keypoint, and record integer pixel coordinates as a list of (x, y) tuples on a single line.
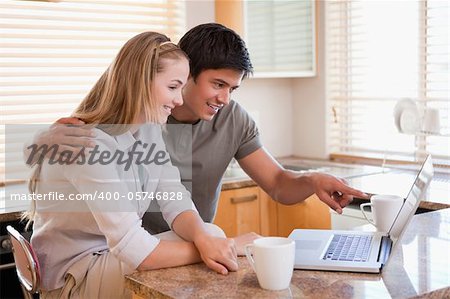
[(292, 188)]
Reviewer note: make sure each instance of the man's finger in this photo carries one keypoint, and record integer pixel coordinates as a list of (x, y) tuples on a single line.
[(66, 149), (70, 121), (75, 131), (343, 181), (70, 149), (81, 132), (78, 141), (323, 196), (345, 200), (350, 191)]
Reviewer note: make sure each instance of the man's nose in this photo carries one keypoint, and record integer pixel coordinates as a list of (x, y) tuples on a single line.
[(224, 97)]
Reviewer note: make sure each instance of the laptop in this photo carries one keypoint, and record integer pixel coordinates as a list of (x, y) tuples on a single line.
[(382, 183), (358, 251)]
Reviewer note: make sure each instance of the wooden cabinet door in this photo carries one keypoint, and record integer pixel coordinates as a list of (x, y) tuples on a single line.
[(268, 215), (311, 214), (239, 211)]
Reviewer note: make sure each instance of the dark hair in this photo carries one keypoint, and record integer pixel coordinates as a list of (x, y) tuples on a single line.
[(214, 46)]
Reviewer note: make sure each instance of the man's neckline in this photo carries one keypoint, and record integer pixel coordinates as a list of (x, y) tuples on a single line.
[(184, 123)]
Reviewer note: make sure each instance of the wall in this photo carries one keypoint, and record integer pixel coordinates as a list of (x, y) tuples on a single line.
[(291, 113), (199, 12), (309, 103), (270, 101)]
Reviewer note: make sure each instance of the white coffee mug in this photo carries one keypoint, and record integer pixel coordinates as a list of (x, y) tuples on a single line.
[(273, 261), (384, 210)]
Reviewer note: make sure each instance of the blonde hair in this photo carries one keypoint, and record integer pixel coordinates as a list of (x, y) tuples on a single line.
[(124, 91)]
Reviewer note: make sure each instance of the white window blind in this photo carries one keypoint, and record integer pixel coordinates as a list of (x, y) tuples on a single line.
[(280, 36), (379, 52), (52, 53)]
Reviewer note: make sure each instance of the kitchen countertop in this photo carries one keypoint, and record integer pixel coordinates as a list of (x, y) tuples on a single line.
[(419, 267), (12, 213), (235, 177)]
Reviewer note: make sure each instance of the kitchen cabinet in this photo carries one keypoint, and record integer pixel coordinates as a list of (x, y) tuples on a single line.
[(268, 214), (311, 213), (250, 209), (280, 35), (239, 211)]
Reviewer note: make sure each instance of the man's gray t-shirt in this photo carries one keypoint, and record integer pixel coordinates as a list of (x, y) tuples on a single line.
[(231, 133)]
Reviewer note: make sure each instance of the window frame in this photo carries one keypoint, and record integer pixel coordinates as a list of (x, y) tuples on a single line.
[(338, 152)]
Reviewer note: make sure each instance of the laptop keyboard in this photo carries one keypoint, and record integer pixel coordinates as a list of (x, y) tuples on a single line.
[(349, 248)]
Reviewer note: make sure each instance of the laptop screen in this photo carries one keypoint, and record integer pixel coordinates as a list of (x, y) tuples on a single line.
[(412, 201)]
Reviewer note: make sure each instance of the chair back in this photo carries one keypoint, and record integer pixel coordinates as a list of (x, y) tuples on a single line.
[(27, 265)]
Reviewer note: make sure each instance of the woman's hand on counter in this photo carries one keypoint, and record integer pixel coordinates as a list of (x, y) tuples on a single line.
[(219, 254)]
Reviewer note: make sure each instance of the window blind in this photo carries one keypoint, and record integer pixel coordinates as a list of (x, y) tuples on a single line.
[(280, 36), (52, 53), (379, 52)]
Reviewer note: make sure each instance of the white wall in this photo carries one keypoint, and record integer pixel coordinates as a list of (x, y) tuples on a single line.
[(271, 101), (291, 113), (310, 106), (199, 12)]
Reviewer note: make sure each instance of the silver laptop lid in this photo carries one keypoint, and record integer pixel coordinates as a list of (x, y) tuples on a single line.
[(412, 201)]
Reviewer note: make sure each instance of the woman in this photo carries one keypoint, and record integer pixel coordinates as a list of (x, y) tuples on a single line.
[(87, 241)]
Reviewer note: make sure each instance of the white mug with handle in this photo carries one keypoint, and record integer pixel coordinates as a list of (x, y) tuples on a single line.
[(384, 210), (272, 259)]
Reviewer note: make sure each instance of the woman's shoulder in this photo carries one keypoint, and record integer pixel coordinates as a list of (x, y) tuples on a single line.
[(101, 135), (104, 140)]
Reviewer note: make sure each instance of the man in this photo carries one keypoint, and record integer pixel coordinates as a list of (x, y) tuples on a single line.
[(222, 130)]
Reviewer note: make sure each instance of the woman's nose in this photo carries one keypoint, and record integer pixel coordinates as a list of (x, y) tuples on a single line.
[(178, 100)]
